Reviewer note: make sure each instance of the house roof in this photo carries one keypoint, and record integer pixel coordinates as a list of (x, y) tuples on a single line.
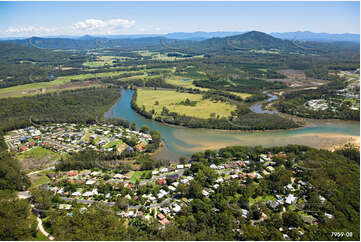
[(164, 221), (308, 219), (160, 216)]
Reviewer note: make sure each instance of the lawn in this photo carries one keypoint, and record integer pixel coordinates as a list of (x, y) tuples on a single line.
[(171, 99), (135, 175), (42, 179), (261, 199), (115, 142)]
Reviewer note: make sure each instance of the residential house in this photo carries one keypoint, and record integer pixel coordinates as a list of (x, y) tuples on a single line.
[(291, 199), (90, 182), (213, 166), (160, 216), (118, 176), (245, 213), (205, 193), (273, 204), (329, 216), (164, 221), (163, 170), (308, 219), (176, 208), (65, 206), (75, 194), (173, 189)]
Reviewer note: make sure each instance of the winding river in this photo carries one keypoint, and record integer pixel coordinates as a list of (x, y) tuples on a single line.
[(185, 141), (257, 108)]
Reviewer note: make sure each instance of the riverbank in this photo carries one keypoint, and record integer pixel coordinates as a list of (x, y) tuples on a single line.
[(185, 141), (247, 121)]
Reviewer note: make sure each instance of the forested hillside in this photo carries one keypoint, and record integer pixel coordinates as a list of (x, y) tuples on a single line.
[(87, 105)]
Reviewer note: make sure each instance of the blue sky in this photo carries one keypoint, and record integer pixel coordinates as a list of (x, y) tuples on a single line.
[(79, 18)]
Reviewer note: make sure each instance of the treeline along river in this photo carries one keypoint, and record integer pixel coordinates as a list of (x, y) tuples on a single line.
[(181, 141)]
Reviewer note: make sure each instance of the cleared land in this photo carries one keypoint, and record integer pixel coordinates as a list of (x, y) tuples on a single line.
[(60, 83), (179, 82), (242, 95), (105, 60), (165, 57), (171, 99), (37, 157), (263, 51)]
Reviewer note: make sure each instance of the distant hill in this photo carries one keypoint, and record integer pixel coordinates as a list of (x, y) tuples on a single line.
[(247, 41), (320, 37), (199, 35), (87, 42)]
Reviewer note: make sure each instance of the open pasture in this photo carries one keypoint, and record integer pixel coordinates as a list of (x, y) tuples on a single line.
[(183, 82), (157, 99)]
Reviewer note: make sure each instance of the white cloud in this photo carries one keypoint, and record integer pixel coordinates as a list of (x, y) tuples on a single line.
[(88, 26), (94, 26)]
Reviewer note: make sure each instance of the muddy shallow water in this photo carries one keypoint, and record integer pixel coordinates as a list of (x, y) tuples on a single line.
[(181, 141)]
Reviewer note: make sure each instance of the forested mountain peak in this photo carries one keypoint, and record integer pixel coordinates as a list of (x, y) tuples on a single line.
[(253, 40)]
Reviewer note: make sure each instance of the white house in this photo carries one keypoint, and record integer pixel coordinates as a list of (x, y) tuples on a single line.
[(291, 199), (176, 208), (244, 213), (90, 182), (87, 194), (76, 194), (173, 189), (118, 176), (213, 166), (205, 193), (330, 216), (65, 206), (163, 170), (219, 180)]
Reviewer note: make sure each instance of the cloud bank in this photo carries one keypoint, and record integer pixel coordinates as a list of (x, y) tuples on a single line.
[(88, 26)]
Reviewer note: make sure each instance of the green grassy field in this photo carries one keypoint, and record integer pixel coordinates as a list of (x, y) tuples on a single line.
[(171, 99), (115, 142), (178, 81), (37, 153), (261, 199), (164, 57), (104, 60), (136, 175), (146, 53), (43, 179), (34, 88), (242, 95)]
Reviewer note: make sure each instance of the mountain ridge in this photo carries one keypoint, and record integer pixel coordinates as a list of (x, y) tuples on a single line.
[(201, 35), (252, 40)]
